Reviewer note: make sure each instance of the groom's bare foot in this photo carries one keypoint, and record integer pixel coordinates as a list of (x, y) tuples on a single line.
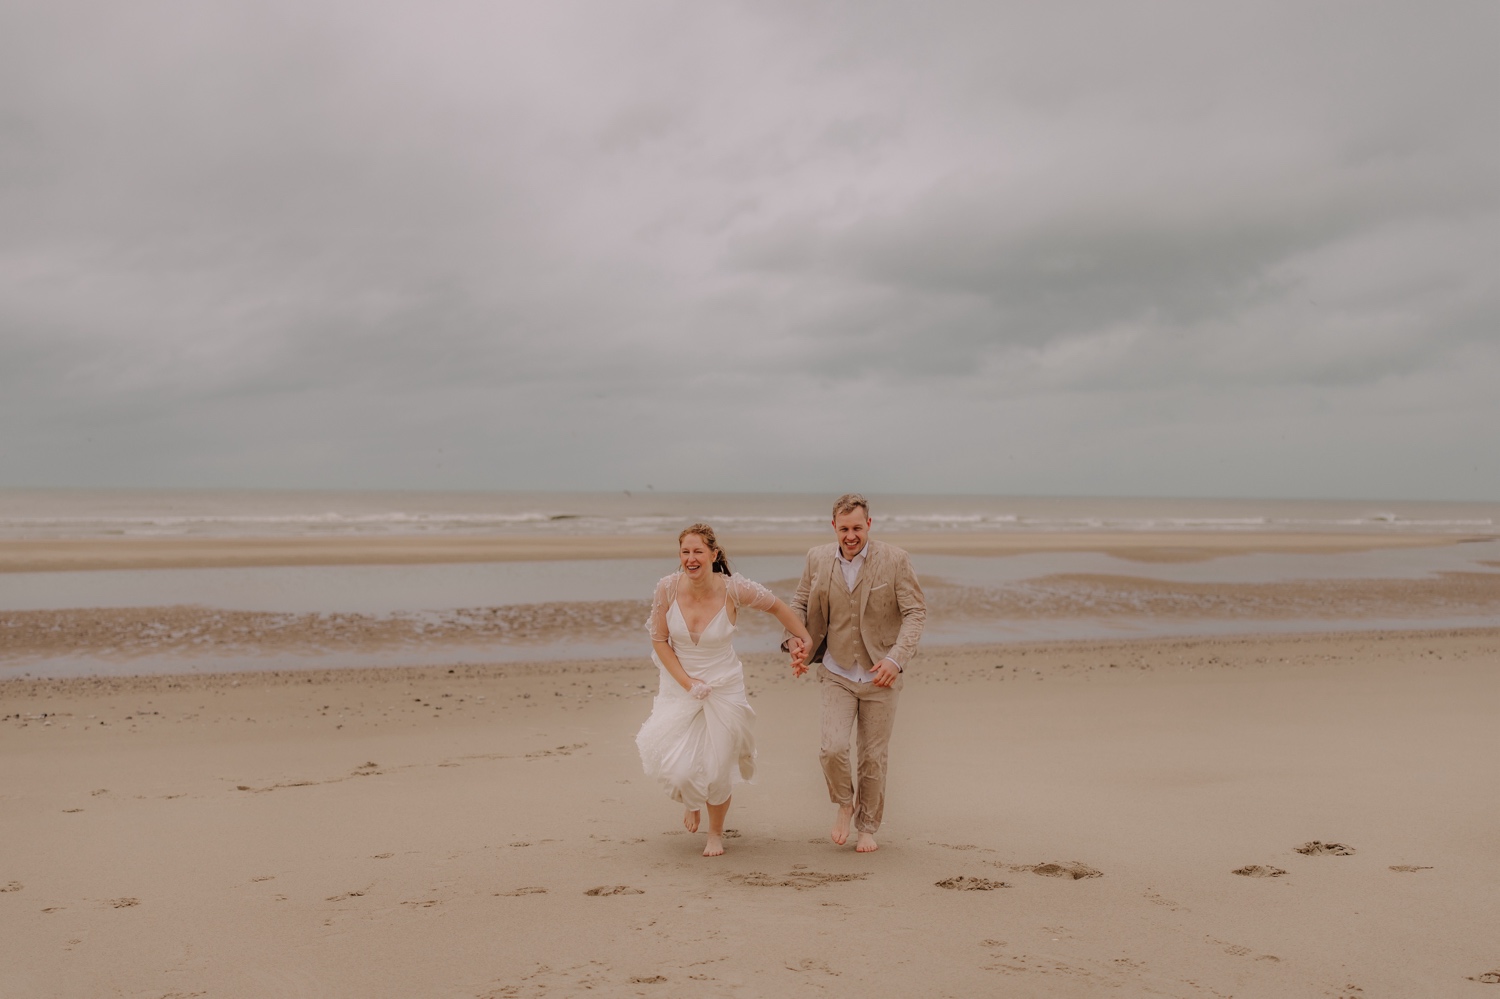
[(840, 832), (714, 847), (866, 843), (690, 820)]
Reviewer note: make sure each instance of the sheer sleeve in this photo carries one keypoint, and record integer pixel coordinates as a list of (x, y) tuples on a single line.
[(656, 624), (748, 593)]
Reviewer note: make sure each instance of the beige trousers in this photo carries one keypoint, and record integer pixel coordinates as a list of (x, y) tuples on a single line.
[(873, 708)]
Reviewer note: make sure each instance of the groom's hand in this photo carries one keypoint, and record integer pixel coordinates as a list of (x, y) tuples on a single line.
[(885, 672)]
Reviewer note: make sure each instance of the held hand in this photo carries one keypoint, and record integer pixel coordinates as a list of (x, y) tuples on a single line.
[(700, 690), (798, 648), (885, 673)]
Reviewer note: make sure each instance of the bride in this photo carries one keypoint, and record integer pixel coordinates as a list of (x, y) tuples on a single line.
[(699, 741)]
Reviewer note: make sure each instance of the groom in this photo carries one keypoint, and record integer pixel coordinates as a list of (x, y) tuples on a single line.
[(864, 612)]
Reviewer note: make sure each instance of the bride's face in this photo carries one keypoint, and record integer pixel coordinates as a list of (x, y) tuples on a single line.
[(696, 557)]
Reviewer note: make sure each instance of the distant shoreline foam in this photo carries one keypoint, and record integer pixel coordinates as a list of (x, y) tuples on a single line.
[(81, 514)]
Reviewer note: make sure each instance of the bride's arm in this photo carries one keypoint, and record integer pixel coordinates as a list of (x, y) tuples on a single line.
[(790, 621), (751, 593), (668, 657), (656, 624)]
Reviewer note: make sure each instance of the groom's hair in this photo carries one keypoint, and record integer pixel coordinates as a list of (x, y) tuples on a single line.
[(848, 503)]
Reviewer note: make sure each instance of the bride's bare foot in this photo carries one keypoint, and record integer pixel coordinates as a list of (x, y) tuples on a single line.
[(840, 832), (716, 816), (866, 843), (690, 820)]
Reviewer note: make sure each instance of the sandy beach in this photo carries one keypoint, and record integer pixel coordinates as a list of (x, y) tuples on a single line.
[(1252, 813), (1065, 819)]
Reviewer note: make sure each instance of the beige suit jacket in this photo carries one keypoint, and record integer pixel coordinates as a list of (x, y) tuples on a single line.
[(892, 610)]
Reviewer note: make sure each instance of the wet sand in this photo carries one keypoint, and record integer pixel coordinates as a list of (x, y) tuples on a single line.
[(124, 639), (1064, 819), (55, 555)]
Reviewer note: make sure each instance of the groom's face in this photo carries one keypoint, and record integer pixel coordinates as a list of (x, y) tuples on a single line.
[(853, 529)]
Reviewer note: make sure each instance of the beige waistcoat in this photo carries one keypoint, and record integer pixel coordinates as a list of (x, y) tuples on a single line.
[(844, 641)]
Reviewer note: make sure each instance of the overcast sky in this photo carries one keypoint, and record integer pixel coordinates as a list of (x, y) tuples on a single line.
[(1195, 249)]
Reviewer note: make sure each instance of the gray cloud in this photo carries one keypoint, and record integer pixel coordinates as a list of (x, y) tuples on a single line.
[(1094, 248)]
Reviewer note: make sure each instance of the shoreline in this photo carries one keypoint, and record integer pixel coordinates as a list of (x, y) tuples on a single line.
[(96, 554), (187, 638)]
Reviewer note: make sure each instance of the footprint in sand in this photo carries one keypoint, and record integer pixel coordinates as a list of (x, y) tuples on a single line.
[(647, 979), (556, 751), (1410, 868), (1156, 898), (1489, 977), (1073, 870), (1317, 848), (1236, 950), (798, 879), (340, 898), (1259, 871), (614, 890), (532, 890), (12, 886), (965, 883), (122, 903), (265, 877)]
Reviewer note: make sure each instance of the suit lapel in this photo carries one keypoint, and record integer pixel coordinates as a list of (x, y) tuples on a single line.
[(867, 576), (822, 580)]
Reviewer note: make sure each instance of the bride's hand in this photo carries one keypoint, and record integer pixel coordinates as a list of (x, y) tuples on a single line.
[(700, 690)]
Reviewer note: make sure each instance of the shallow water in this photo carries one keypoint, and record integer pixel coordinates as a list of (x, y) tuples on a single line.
[(172, 620), (389, 589), (338, 616)]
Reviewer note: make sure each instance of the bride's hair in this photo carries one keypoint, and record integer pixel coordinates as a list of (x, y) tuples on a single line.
[(721, 561)]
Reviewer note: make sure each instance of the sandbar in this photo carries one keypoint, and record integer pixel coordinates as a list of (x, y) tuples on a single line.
[(74, 554)]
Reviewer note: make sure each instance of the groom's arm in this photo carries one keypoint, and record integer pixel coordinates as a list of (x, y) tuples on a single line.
[(913, 608)]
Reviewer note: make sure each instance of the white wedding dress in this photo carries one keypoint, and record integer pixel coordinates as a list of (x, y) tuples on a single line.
[(699, 750)]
